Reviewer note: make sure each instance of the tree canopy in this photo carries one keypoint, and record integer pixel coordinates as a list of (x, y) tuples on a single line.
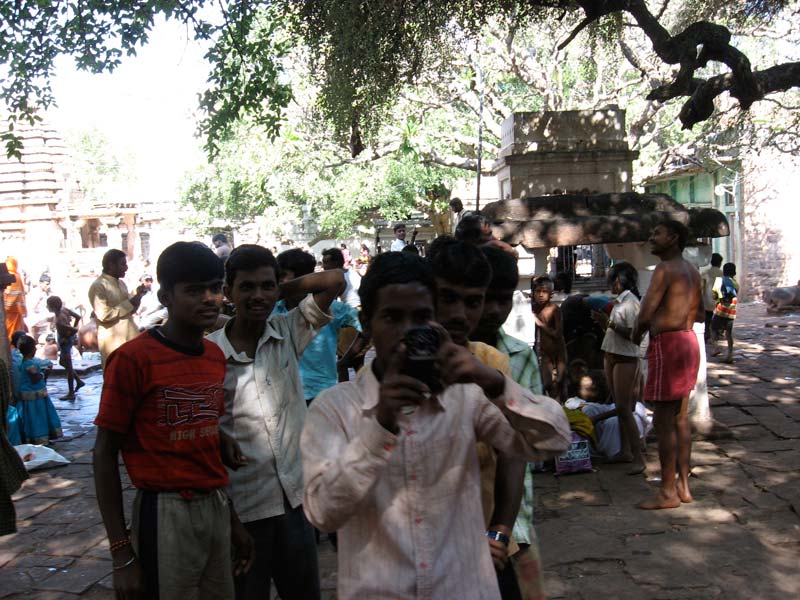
[(426, 139), (365, 50)]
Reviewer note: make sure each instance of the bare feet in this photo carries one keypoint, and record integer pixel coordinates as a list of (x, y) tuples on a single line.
[(637, 467), (79, 383), (716, 352), (68, 397), (659, 501), (683, 492), (729, 359)]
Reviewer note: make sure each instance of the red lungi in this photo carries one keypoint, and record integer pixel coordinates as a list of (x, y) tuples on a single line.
[(673, 359)]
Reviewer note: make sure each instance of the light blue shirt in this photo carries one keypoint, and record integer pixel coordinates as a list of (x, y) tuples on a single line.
[(318, 362)]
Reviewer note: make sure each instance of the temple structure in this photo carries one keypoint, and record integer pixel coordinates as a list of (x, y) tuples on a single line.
[(47, 220)]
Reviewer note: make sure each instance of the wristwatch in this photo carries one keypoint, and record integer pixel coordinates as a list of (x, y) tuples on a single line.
[(497, 535)]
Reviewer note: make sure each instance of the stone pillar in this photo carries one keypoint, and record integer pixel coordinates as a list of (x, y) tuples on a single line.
[(129, 222), (541, 261)]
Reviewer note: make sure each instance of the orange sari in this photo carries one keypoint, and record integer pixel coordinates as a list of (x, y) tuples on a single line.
[(14, 300)]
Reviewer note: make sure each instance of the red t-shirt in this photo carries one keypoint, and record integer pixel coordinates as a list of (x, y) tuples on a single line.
[(167, 401)]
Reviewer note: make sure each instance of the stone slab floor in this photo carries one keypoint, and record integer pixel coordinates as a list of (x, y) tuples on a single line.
[(739, 539)]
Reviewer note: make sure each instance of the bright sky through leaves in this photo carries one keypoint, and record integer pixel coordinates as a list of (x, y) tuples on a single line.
[(146, 108)]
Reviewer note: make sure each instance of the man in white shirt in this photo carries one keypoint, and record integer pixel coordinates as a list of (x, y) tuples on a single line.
[(151, 312), (332, 258), (394, 468), (400, 237), (264, 412)]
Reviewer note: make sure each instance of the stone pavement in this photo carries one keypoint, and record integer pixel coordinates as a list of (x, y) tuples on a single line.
[(739, 539), (741, 536)]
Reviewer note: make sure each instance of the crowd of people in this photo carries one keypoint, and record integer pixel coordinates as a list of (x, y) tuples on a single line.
[(258, 401)]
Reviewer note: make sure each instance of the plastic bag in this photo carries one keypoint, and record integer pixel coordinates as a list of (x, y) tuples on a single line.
[(39, 457), (577, 458)]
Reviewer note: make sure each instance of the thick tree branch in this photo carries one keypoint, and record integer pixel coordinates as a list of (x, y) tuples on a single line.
[(692, 49), (455, 162)]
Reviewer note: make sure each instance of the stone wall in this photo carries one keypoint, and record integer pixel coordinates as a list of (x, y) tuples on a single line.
[(771, 218)]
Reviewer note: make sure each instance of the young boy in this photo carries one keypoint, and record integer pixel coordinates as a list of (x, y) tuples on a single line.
[(394, 468), (525, 371), (726, 290), (318, 365), (67, 330), (161, 404), (462, 276), (550, 343), (265, 411), (50, 349)]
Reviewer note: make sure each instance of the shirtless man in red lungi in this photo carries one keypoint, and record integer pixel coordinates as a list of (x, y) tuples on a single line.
[(668, 310)]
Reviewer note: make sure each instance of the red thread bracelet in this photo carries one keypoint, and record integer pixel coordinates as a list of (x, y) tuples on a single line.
[(119, 544)]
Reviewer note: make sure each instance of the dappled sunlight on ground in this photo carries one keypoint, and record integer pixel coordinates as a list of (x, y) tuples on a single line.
[(741, 536)]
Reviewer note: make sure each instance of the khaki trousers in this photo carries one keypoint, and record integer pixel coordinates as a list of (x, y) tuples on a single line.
[(184, 546)]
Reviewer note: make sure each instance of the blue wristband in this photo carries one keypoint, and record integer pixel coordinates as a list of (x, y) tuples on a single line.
[(500, 537)]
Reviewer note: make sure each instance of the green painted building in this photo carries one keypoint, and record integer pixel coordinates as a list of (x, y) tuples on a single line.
[(695, 187)]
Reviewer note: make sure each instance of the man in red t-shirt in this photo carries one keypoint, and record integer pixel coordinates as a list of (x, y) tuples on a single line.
[(161, 403)]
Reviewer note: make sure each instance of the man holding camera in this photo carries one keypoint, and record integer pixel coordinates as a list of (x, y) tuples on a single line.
[(393, 467)]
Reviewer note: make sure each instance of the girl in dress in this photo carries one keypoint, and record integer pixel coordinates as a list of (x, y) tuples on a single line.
[(38, 417)]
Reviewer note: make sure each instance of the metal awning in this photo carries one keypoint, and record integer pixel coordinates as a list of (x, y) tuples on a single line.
[(566, 220)]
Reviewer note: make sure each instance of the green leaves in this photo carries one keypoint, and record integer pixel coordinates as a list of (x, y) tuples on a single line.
[(247, 78)]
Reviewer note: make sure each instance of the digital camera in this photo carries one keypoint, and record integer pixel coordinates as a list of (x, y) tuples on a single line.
[(422, 348)]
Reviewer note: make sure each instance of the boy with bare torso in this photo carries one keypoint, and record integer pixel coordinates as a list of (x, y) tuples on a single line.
[(66, 322), (668, 311), (550, 343)]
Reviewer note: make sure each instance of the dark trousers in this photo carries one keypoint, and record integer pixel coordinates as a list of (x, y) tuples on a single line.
[(708, 335), (286, 553), (509, 586)]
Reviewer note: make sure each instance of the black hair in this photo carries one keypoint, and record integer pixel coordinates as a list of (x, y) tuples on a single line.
[(248, 257), (678, 229), (729, 270), (542, 280), (187, 262), (54, 303), (26, 345), (399, 226), (626, 274), (563, 282), (470, 227), (50, 337), (392, 268), (297, 261), (716, 260), (44, 278), (459, 263), (16, 337), (220, 237), (335, 255), (111, 257), (410, 248), (505, 272)]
